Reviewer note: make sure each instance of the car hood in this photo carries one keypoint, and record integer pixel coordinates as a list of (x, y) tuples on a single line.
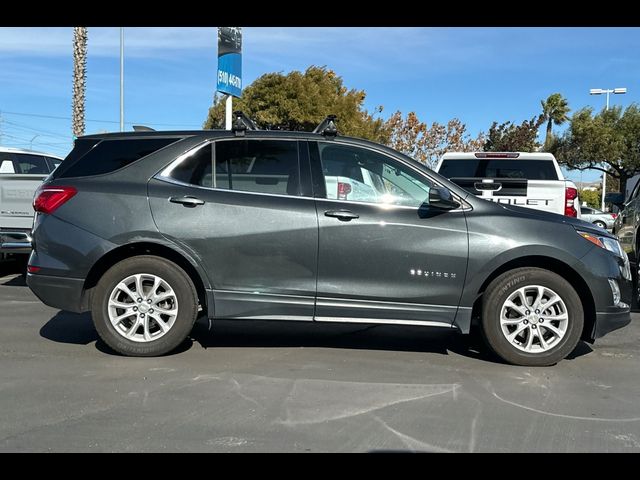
[(556, 218)]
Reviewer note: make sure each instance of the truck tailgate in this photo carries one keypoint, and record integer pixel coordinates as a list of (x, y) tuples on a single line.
[(16, 197), (545, 195)]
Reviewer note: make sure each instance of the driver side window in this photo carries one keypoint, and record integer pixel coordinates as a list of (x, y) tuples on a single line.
[(360, 175)]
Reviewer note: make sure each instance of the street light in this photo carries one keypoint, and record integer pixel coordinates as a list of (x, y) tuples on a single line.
[(600, 91), (31, 143)]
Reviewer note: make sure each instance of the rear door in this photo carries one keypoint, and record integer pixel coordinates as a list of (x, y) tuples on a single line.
[(20, 176), (244, 208), (532, 183)]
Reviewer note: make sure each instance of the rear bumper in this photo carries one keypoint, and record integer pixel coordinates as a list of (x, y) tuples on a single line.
[(15, 242), (58, 292)]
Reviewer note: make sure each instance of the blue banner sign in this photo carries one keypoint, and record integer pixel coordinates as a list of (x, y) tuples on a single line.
[(230, 60)]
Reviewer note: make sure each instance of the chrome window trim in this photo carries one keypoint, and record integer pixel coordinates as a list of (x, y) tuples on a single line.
[(163, 175)]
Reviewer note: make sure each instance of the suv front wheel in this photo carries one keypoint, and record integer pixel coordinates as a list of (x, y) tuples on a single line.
[(144, 306), (531, 317)]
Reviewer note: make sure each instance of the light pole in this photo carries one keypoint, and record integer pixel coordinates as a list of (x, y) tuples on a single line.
[(31, 143), (122, 79), (600, 91)]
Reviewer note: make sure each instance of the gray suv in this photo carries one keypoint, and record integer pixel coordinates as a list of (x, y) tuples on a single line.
[(148, 230)]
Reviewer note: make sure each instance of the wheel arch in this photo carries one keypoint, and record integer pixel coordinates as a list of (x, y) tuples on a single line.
[(145, 248), (556, 266)]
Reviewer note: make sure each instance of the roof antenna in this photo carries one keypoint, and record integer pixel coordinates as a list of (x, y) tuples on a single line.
[(242, 123), (327, 127), (142, 128)]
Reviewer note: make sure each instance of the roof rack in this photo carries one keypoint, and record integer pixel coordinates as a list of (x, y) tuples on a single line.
[(143, 128), (242, 123), (327, 127)]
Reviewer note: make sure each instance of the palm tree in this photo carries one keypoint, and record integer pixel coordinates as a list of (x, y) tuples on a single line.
[(79, 86), (554, 110)]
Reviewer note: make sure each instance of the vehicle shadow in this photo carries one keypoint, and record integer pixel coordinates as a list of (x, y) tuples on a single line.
[(78, 329), (10, 268), (278, 334)]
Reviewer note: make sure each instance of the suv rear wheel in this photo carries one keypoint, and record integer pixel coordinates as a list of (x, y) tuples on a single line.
[(531, 317), (144, 306)]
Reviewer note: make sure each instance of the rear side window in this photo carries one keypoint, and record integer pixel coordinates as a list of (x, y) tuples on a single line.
[(261, 166), (498, 168), (23, 164), (30, 164), (107, 155)]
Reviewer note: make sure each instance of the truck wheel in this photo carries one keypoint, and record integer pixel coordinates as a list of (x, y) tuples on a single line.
[(144, 306), (531, 317)]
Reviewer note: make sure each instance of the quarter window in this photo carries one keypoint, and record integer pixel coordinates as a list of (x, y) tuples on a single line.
[(362, 175), (195, 168)]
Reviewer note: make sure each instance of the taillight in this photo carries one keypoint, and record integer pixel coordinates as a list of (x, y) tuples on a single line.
[(49, 199), (614, 215), (344, 189), (570, 195), (33, 269)]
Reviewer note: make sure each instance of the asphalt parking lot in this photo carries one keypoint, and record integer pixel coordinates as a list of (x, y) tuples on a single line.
[(291, 387)]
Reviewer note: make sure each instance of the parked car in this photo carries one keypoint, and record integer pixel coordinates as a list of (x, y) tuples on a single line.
[(21, 172), (532, 180), (625, 227), (598, 217), (148, 229)]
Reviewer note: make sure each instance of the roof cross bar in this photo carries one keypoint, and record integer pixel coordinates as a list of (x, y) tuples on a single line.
[(327, 127)]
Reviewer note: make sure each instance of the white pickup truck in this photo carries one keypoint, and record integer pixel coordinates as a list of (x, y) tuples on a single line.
[(21, 172), (532, 180)]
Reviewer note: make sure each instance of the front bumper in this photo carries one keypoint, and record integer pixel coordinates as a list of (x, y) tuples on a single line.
[(15, 242), (609, 321), (612, 309), (58, 292)]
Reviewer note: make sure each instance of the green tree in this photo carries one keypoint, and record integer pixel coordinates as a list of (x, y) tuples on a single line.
[(427, 143), (508, 137), (79, 73), (555, 110), (300, 101), (592, 197), (608, 141)]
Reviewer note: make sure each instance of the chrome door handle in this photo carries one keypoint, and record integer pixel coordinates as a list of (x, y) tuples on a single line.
[(187, 201), (342, 215)]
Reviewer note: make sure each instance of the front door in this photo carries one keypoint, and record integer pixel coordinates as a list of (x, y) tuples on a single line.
[(241, 206), (384, 254)]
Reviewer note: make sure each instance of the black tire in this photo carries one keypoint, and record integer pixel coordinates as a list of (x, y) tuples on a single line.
[(635, 304), (600, 224), (178, 280), (497, 293)]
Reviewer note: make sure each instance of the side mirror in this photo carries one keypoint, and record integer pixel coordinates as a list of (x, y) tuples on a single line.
[(440, 197), (616, 198)]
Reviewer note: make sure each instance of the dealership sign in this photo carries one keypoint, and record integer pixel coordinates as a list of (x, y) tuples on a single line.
[(230, 60)]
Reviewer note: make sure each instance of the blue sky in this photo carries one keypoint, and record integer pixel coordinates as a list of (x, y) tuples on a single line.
[(476, 74)]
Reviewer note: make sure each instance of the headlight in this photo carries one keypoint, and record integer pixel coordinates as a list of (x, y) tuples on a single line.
[(607, 243)]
